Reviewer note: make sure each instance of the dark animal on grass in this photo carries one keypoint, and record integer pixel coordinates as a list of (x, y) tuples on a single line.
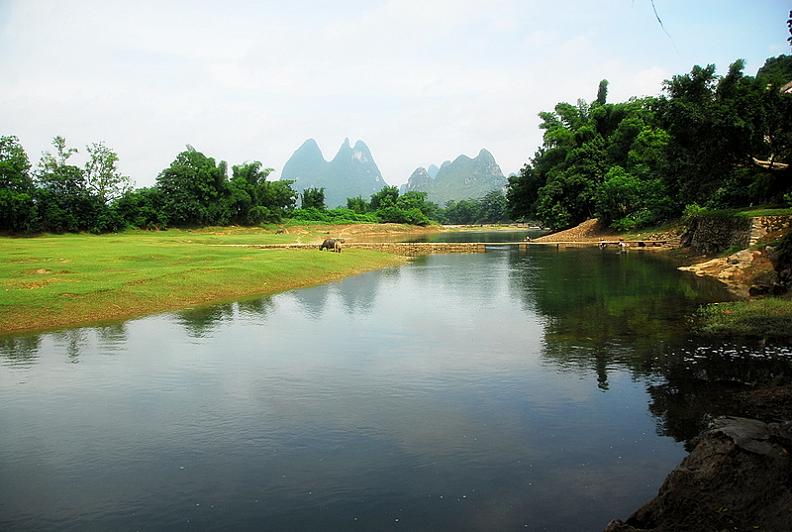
[(330, 244)]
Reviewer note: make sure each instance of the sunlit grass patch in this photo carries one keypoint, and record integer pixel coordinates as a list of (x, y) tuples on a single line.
[(61, 280), (767, 317)]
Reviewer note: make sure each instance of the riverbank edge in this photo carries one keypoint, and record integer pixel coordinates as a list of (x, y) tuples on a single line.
[(111, 302), (749, 275), (120, 308)]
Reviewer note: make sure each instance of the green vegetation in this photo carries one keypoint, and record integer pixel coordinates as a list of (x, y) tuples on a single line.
[(313, 198), (193, 191), (764, 318), (60, 280), (712, 140), (694, 210), (491, 208), (330, 216)]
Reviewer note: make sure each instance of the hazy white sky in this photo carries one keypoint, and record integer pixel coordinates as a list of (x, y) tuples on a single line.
[(419, 81)]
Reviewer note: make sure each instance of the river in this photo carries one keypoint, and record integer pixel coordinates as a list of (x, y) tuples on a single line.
[(540, 389)]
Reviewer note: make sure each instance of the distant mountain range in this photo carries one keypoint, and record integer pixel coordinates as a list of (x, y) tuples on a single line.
[(463, 178), (352, 172)]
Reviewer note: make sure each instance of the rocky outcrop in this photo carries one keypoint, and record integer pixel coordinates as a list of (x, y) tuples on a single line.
[(739, 271), (737, 477), (764, 226)]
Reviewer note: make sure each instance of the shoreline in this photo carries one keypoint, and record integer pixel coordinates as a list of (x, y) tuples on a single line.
[(53, 282), (73, 315)]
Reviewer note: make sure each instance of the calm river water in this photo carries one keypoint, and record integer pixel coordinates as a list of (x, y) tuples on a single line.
[(542, 390)]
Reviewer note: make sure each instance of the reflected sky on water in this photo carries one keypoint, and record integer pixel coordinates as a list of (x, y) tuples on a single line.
[(547, 388)]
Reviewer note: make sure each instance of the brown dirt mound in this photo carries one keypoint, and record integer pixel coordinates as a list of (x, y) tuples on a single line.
[(590, 230), (593, 231)]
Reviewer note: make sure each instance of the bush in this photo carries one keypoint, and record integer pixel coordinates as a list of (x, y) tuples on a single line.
[(331, 216), (402, 216)]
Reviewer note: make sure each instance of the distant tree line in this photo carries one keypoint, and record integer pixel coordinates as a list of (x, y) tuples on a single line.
[(59, 196), (193, 191), (715, 141), (410, 208)]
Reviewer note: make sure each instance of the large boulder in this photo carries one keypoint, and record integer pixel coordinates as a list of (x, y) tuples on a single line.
[(737, 477)]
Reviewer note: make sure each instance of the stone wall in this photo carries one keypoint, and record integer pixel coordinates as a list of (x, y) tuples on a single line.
[(712, 234), (761, 226)]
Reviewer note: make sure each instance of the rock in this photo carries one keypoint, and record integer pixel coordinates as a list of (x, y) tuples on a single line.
[(759, 290), (735, 478)]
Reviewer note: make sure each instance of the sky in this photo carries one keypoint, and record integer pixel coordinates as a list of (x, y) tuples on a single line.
[(418, 81)]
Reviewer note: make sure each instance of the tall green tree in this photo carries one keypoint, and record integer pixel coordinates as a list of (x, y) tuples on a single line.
[(358, 204), (386, 197), (63, 199), (102, 175), (493, 207), (193, 189), (17, 209), (313, 198)]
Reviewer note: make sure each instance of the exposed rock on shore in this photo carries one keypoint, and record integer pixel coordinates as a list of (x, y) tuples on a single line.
[(737, 477), (738, 271)]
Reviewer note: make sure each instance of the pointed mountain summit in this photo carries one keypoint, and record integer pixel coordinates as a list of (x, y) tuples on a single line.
[(420, 180), (463, 178), (352, 172)]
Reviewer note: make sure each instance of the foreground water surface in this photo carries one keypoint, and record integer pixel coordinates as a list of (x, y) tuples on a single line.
[(544, 389)]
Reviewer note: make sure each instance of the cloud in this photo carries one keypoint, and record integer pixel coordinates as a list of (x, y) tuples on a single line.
[(419, 81)]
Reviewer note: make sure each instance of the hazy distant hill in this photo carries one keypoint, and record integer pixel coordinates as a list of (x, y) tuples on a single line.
[(461, 179), (352, 172)]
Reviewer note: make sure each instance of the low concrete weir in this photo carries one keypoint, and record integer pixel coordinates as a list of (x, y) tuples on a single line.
[(428, 248)]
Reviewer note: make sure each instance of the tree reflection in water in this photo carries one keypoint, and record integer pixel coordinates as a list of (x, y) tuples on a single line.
[(202, 321), (19, 351), (605, 310)]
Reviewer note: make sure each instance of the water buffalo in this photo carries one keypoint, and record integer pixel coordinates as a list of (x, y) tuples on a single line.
[(331, 244)]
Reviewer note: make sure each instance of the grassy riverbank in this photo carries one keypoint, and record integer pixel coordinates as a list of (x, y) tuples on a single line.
[(765, 318), (63, 280)]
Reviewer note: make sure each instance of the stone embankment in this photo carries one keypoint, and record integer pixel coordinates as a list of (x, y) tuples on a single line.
[(712, 234), (748, 271)]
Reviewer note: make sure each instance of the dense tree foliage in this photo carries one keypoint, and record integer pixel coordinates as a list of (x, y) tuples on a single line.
[(491, 208), (17, 209), (102, 176), (193, 191), (358, 204), (313, 198), (711, 140), (193, 188)]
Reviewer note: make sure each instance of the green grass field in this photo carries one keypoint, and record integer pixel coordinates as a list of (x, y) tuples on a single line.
[(764, 318), (62, 280)]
